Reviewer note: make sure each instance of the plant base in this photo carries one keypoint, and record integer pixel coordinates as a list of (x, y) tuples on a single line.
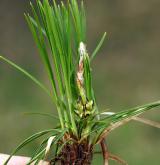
[(74, 154)]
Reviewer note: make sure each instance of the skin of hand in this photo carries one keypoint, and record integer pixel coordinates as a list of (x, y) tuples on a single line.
[(17, 160)]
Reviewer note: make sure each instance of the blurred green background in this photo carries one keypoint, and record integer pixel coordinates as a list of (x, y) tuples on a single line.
[(126, 73)]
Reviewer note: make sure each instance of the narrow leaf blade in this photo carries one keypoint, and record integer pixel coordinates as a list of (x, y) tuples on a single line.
[(98, 46), (28, 140), (26, 74)]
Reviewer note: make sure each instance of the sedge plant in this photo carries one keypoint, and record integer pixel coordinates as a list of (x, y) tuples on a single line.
[(59, 31)]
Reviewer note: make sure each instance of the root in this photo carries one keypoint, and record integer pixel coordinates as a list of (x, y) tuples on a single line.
[(105, 152), (114, 157), (74, 154)]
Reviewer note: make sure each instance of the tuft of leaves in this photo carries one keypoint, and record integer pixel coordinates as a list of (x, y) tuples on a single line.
[(59, 31)]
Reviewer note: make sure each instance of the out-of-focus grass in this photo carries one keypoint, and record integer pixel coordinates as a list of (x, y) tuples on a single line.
[(126, 73)]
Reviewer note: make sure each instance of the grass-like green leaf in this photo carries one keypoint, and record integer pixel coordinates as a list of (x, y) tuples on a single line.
[(39, 39), (30, 139), (41, 147), (41, 151), (36, 25), (35, 80), (88, 78), (132, 112), (37, 157), (116, 120), (98, 46), (137, 118)]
